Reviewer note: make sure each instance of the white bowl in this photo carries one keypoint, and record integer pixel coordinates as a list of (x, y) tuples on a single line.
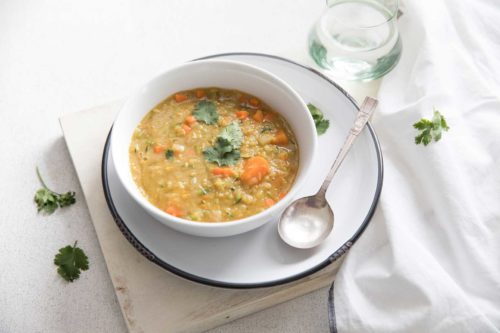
[(223, 74)]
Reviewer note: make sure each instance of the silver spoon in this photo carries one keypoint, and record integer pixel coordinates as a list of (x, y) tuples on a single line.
[(308, 221)]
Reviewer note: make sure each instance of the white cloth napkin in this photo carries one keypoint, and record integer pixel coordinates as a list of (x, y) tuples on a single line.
[(430, 259)]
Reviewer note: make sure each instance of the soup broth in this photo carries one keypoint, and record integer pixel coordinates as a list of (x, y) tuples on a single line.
[(213, 155)]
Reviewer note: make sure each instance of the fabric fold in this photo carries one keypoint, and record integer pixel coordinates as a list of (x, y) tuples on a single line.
[(429, 260)]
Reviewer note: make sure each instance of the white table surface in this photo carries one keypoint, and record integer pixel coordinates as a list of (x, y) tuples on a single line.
[(63, 56)]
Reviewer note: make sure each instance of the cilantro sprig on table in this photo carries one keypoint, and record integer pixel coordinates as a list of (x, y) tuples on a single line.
[(321, 123), (430, 129), (226, 150), (71, 260), (206, 111), (48, 201)]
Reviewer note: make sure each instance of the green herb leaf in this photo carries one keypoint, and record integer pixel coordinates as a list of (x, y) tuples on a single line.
[(233, 134), (315, 112), (206, 111), (222, 153), (66, 199), (322, 126), (430, 130), (321, 123), (48, 201), (71, 260), (169, 154), (226, 148)]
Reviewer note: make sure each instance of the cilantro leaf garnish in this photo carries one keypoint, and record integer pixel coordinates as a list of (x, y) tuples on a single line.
[(48, 200), (226, 148), (169, 154), (321, 123), (71, 260), (233, 134), (206, 111), (322, 126), (430, 130), (222, 153)]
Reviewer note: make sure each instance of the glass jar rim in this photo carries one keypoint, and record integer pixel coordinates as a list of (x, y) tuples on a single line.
[(393, 13)]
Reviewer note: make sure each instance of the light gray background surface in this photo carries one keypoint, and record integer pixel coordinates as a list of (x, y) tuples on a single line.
[(58, 57)]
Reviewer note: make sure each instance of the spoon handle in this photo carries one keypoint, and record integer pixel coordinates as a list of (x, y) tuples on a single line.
[(362, 117)]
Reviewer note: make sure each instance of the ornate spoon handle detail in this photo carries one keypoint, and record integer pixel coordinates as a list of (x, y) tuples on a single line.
[(364, 114)]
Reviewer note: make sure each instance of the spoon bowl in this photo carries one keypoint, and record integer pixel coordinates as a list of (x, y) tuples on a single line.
[(312, 222)]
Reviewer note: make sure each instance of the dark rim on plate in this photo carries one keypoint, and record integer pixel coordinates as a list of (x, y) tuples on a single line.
[(333, 257)]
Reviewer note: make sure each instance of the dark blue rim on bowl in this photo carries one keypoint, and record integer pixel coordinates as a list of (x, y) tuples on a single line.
[(333, 257)]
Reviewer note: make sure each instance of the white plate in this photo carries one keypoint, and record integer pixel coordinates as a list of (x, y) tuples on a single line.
[(259, 258)]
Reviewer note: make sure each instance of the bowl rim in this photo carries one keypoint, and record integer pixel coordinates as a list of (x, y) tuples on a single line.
[(268, 212)]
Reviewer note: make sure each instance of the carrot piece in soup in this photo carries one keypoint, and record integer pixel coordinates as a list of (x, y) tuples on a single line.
[(174, 211), (186, 128), (242, 114), (158, 149), (269, 116), (179, 97), (253, 101), (269, 202), (225, 172), (254, 170), (258, 116), (281, 195), (280, 138), (190, 120), (200, 93)]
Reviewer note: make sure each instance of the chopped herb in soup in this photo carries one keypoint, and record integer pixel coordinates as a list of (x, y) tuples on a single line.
[(213, 155)]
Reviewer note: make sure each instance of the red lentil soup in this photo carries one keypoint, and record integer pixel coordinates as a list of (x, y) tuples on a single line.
[(213, 155)]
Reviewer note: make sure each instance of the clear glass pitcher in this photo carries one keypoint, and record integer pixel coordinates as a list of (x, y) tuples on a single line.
[(357, 39)]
